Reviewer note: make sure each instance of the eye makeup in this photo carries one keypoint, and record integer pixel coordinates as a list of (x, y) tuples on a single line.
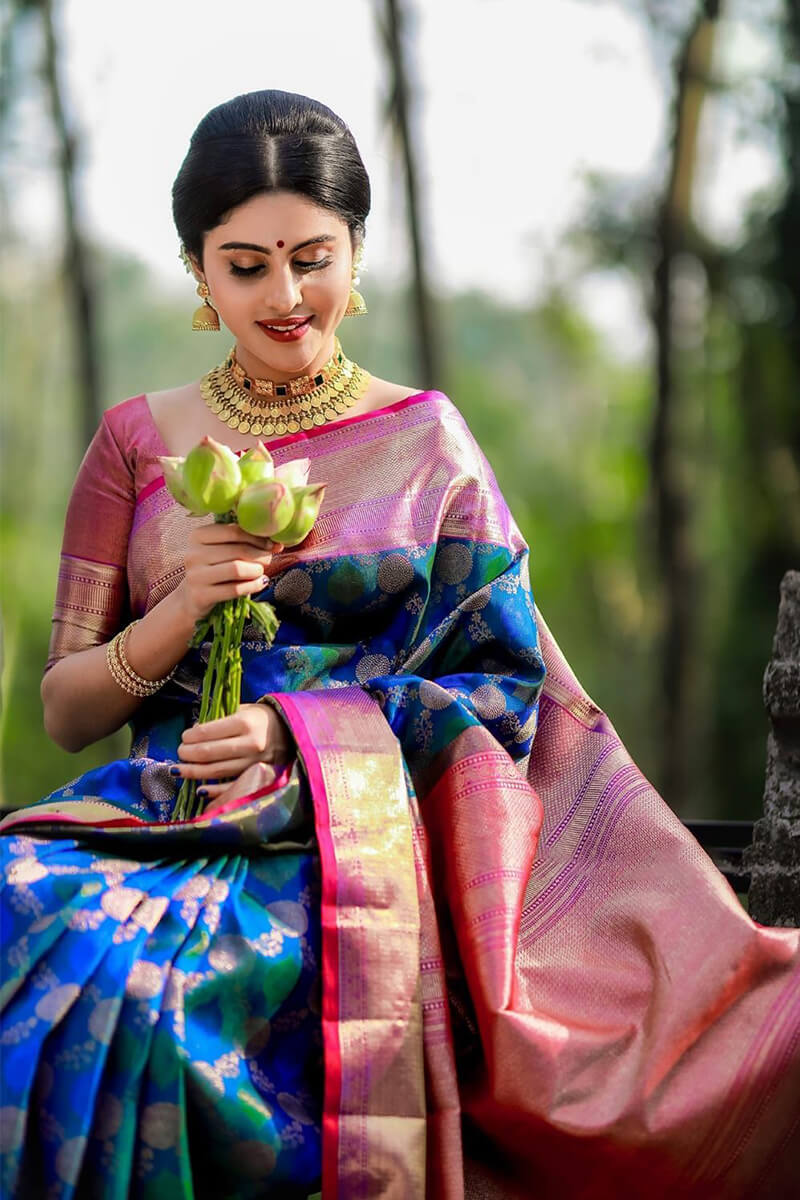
[(302, 265)]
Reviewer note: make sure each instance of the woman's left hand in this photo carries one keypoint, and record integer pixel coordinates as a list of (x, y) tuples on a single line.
[(223, 749)]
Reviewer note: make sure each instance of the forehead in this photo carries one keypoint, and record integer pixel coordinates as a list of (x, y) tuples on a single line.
[(270, 216)]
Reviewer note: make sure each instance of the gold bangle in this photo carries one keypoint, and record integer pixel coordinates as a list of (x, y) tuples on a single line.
[(123, 673), (119, 676)]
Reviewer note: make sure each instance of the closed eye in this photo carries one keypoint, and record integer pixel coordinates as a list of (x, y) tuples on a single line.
[(315, 264), (299, 265)]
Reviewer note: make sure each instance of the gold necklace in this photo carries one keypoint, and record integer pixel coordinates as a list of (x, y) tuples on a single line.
[(266, 408)]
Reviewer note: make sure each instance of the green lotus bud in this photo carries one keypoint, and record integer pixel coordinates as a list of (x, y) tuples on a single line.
[(211, 477), (173, 478), (294, 474), (307, 506), (264, 507), (256, 464)]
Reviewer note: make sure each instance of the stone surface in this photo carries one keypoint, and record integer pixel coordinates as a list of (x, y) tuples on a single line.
[(774, 857)]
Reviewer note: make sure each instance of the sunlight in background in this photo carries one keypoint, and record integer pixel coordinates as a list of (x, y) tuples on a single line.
[(515, 106)]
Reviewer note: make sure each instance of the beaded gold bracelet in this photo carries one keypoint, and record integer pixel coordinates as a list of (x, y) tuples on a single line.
[(123, 673)]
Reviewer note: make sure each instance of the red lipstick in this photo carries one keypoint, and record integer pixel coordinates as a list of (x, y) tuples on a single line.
[(290, 330)]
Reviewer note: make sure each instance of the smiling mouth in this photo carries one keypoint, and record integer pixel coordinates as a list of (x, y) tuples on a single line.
[(284, 326)]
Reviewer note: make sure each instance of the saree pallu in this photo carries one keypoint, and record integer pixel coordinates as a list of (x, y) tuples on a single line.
[(525, 977)]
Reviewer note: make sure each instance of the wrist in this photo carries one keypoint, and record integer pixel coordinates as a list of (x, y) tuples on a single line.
[(185, 619), (280, 746)]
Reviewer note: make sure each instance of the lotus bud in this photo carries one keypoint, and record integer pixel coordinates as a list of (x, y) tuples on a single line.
[(294, 474), (264, 507), (307, 505), (256, 464), (173, 478), (211, 477)]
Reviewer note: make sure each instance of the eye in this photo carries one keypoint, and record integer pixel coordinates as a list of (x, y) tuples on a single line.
[(314, 265), (236, 270)]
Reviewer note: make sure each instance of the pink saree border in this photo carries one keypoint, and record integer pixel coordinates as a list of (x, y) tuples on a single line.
[(330, 943), (374, 1119)]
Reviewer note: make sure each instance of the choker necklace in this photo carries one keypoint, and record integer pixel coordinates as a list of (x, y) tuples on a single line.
[(266, 408)]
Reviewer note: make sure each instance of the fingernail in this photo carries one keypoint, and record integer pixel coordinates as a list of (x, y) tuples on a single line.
[(264, 580), (202, 792), (174, 770)]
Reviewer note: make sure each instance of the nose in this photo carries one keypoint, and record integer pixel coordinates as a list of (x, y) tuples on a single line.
[(282, 290)]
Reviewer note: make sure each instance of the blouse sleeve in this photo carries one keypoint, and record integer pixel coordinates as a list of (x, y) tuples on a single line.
[(92, 591)]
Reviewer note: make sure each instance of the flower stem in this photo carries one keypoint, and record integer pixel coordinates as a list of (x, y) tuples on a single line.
[(221, 692)]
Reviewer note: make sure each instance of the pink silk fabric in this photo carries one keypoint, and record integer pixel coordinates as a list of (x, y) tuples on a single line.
[(624, 1028)]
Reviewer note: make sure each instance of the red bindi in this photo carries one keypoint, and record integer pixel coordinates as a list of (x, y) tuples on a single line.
[(280, 245)]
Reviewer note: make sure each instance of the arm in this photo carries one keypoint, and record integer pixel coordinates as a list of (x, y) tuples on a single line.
[(82, 703)]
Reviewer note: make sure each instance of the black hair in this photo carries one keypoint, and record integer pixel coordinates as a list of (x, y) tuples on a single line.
[(264, 142)]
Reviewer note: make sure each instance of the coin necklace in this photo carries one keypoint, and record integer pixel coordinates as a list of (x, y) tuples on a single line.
[(266, 408)]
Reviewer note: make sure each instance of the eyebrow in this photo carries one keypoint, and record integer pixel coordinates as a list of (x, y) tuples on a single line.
[(323, 237)]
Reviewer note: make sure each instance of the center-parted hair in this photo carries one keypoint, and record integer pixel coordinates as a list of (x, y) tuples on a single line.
[(268, 141)]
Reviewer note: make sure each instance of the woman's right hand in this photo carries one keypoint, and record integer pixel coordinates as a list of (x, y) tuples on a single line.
[(223, 562)]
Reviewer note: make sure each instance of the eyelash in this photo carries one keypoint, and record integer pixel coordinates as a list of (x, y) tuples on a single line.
[(304, 267)]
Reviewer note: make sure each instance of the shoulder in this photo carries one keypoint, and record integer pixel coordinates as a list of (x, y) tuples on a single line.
[(132, 428), (168, 399), (382, 392)]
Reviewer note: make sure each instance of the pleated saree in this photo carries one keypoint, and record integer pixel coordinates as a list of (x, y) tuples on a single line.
[(459, 948)]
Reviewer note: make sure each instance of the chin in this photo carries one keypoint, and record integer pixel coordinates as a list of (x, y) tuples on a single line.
[(286, 356)]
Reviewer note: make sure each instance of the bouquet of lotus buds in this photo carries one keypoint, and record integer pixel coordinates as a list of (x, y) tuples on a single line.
[(265, 500)]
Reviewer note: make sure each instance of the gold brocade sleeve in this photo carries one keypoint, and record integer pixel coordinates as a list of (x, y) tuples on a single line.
[(92, 592)]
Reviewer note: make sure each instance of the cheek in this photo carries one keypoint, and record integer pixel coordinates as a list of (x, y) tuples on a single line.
[(336, 290), (229, 297)]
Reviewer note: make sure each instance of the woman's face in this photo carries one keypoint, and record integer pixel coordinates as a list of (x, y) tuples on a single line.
[(279, 270)]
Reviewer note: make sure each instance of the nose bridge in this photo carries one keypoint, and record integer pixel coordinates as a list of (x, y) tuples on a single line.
[(282, 288)]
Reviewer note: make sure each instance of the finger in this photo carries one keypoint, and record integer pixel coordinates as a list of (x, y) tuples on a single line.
[(208, 754), (211, 791), (220, 727), (212, 594), (225, 769), (228, 552), (257, 776), (210, 534), (230, 571)]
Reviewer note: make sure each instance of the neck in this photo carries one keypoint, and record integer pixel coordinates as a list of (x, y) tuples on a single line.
[(258, 369)]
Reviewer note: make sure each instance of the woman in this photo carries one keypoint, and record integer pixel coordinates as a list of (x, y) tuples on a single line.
[(407, 950)]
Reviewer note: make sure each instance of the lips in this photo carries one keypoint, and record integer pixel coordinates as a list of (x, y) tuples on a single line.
[(289, 330)]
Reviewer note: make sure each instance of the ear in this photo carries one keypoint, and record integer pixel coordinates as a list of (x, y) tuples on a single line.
[(192, 264), (197, 270)]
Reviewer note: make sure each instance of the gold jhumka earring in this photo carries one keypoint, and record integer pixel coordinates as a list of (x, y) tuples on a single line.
[(206, 318), (356, 306)]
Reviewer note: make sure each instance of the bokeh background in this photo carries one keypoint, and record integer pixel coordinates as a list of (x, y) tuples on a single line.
[(585, 229)]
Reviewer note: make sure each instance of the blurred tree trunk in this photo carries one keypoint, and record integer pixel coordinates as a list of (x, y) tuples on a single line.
[(78, 285), (676, 562), (392, 28), (765, 387), (775, 426), (787, 223)]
